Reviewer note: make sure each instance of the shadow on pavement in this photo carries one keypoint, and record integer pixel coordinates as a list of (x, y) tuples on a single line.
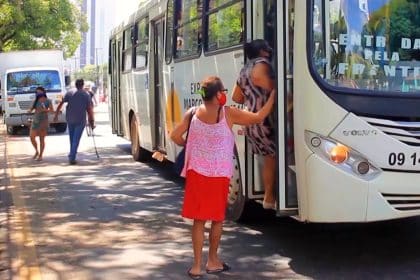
[(122, 219)]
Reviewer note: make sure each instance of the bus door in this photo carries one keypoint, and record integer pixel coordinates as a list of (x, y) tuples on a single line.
[(159, 98), (115, 89), (288, 197), (273, 21)]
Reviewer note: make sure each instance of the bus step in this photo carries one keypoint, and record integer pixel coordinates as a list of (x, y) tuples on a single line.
[(287, 213), (159, 155)]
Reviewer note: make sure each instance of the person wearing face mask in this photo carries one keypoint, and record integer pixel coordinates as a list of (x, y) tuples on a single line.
[(39, 126), (256, 81), (208, 166)]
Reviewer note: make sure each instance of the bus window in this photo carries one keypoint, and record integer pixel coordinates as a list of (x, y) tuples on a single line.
[(366, 45), (142, 42), (109, 57), (411, 84), (318, 42), (127, 60), (188, 27), (225, 24), (270, 22), (169, 31)]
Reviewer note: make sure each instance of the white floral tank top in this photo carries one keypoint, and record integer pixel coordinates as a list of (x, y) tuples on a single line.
[(209, 150)]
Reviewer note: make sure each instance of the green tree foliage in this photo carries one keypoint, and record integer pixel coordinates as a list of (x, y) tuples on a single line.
[(398, 19), (405, 23), (41, 24), (226, 26), (97, 74), (87, 73)]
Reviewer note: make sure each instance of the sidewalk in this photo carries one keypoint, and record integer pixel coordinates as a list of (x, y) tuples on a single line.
[(5, 203)]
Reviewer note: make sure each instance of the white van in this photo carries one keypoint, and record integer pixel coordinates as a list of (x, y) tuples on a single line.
[(21, 73)]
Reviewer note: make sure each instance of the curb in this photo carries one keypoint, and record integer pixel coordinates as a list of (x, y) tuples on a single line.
[(5, 203)]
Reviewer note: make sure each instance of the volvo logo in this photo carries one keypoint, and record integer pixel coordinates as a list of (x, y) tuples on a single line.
[(360, 132)]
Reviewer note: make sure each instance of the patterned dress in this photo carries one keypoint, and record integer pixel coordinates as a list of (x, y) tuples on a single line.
[(261, 136), (40, 119)]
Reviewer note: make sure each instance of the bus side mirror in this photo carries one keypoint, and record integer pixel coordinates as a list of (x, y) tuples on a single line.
[(67, 80)]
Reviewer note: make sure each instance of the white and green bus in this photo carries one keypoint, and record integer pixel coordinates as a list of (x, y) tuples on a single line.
[(348, 130)]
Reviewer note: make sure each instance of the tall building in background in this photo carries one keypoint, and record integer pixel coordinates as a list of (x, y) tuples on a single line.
[(93, 56), (83, 46), (102, 16), (88, 45), (105, 20)]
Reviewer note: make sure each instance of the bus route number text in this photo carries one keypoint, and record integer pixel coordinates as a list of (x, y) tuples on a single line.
[(401, 159)]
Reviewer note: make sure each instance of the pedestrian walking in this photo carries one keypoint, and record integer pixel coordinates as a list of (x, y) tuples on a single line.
[(39, 126), (209, 166), (79, 104), (89, 89), (253, 87)]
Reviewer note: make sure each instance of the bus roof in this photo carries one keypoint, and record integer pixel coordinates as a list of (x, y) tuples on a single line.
[(142, 10)]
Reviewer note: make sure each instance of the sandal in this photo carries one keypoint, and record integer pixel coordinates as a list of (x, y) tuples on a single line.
[(194, 276), (225, 267)]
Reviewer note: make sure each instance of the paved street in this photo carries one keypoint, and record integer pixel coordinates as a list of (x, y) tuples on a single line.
[(112, 218)]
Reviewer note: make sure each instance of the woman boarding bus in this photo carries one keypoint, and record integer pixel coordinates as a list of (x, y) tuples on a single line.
[(347, 148)]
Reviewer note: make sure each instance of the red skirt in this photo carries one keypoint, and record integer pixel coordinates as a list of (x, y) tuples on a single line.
[(205, 198)]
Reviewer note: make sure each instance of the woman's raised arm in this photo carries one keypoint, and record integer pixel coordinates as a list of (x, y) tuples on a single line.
[(242, 117)]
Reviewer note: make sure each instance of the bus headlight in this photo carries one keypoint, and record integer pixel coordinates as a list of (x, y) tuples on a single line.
[(339, 153), (341, 156)]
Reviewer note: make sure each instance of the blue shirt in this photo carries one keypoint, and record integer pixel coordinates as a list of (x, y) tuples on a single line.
[(77, 104)]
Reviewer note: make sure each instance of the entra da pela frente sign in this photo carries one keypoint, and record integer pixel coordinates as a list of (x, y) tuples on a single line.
[(374, 50)]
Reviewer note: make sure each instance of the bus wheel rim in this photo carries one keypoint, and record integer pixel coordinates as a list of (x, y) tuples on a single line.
[(234, 185)]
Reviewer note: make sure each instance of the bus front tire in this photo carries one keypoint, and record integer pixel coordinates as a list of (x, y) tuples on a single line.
[(138, 153), (236, 200)]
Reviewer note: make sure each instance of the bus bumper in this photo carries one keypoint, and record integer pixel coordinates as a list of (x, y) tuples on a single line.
[(332, 194), (336, 196), (394, 195)]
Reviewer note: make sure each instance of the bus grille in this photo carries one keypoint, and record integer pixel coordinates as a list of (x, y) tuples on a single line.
[(403, 131), (403, 202), (25, 105)]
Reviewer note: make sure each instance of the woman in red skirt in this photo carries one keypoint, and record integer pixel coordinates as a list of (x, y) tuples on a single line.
[(209, 166)]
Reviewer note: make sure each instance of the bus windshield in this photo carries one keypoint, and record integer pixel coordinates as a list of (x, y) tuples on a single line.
[(369, 45), (23, 82)]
